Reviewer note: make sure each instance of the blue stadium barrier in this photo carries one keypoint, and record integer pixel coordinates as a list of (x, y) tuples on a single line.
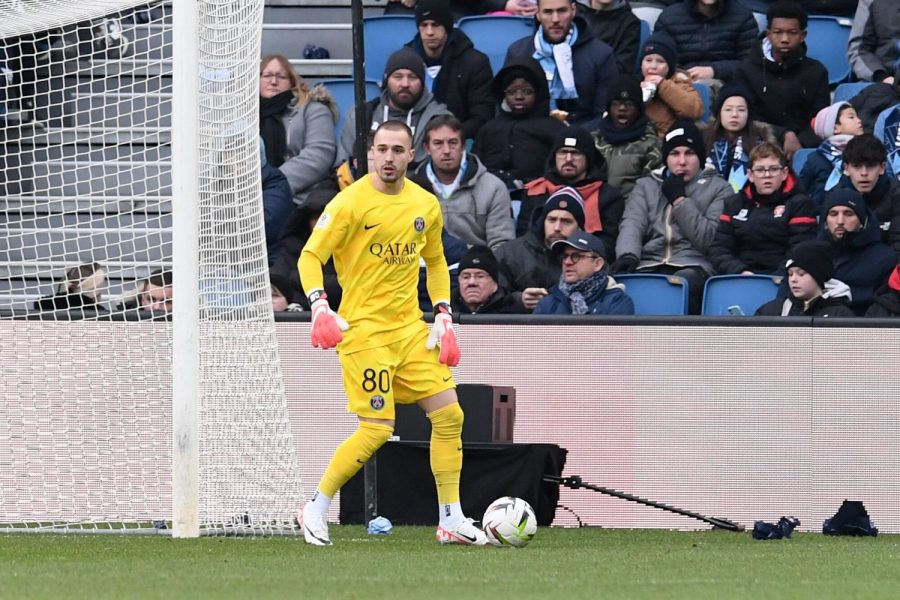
[(342, 91), (826, 41), (703, 90), (655, 294), (493, 35), (382, 36), (645, 33), (738, 294)]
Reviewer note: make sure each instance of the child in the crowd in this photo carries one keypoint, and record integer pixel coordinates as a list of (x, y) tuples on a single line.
[(837, 125), (732, 135), (887, 298), (668, 91), (762, 222), (626, 138), (813, 292), (864, 170)]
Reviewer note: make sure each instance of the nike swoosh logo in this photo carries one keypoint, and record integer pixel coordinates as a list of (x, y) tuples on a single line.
[(368, 227), (447, 378), (362, 462)]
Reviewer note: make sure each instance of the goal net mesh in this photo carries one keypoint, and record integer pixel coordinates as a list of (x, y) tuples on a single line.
[(86, 201)]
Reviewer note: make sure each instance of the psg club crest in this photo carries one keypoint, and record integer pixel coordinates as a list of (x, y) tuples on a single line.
[(377, 402), (419, 224)]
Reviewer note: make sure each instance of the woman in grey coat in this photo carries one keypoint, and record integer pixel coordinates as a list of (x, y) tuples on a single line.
[(296, 124)]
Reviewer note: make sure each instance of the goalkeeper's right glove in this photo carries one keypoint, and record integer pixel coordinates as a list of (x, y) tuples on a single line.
[(327, 325)]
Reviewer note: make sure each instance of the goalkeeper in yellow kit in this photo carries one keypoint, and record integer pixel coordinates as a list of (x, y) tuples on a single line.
[(377, 229)]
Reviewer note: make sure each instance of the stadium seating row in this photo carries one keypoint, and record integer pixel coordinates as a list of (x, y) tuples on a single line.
[(722, 294)]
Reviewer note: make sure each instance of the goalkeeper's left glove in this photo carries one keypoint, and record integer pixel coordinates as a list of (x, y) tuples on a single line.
[(443, 335)]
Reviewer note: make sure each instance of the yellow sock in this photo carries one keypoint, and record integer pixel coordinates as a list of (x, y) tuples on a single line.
[(446, 451), (352, 454)]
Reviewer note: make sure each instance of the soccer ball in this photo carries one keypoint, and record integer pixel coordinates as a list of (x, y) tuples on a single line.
[(509, 521)]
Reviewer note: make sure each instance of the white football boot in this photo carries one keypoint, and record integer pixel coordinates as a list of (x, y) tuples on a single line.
[(465, 532), (315, 529)]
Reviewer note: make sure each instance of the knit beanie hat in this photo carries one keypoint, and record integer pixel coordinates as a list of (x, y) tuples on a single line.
[(824, 122), (434, 10), (683, 133), (662, 44), (568, 199), (845, 197), (405, 58), (626, 88), (730, 90), (480, 257), (578, 138), (813, 257)]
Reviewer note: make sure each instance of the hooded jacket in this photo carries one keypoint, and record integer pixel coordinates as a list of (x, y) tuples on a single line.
[(887, 298), (659, 234), (861, 260), (605, 205), (834, 302), (786, 95), (479, 211), (311, 145), (609, 299), (379, 110), (755, 232), (593, 67), (511, 146), (464, 81), (720, 41)]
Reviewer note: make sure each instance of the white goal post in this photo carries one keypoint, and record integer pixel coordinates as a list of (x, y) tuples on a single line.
[(143, 389)]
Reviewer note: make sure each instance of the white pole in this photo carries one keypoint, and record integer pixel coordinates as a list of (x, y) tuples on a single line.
[(185, 276)]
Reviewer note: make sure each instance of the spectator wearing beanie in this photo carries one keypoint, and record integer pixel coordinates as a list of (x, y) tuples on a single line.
[(813, 291), (613, 22), (668, 91), (732, 134), (479, 291), (787, 87), (627, 138), (514, 145), (575, 162), (711, 37), (585, 287), (671, 216), (404, 97), (526, 263), (836, 124), (578, 67), (887, 299), (455, 72), (861, 259)]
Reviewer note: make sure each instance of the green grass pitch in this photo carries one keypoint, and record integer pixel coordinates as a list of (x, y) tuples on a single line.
[(559, 564)]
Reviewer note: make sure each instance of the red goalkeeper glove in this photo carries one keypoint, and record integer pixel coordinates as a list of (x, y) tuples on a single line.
[(327, 325), (443, 335)]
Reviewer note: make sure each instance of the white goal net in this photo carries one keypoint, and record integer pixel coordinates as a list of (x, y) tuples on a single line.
[(90, 209)]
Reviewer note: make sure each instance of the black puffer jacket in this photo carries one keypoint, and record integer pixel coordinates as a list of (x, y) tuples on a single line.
[(872, 100), (720, 41), (786, 95), (511, 146), (755, 232), (527, 262), (464, 82)]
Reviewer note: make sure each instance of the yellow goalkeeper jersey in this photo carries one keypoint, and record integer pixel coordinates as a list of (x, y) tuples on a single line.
[(377, 241)]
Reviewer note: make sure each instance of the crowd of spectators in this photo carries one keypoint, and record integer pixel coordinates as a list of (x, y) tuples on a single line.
[(593, 137)]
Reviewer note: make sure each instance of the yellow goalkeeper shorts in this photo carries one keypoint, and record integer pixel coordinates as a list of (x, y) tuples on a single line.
[(403, 372)]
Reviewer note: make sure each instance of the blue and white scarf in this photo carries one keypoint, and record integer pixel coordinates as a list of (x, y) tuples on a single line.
[(833, 150), (556, 61), (719, 156), (578, 292)]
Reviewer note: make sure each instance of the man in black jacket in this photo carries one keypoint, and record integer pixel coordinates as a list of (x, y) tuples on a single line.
[(457, 74), (613, 22), (479, 292), (787, 87), (578, 66)]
